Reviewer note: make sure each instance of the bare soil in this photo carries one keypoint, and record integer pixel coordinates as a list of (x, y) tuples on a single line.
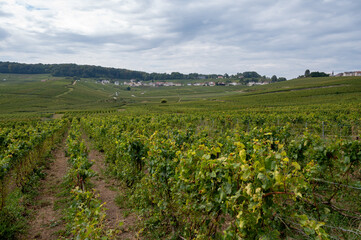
[(47, 221), (58, 116), (108, 189)]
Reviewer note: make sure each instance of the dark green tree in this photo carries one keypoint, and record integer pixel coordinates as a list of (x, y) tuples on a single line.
[(307, 73), (274, 78), (318, 74), (251, 75)]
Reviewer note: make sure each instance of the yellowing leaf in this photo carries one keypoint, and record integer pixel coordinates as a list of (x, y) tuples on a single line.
[(241, 224), (239, 144), (296, 165), (243, 155), (249, 188)]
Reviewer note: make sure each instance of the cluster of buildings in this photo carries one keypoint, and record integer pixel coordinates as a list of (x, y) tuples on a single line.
[(135, 83), (104, 82), (212, 84), (208, 84), (349, 74), (256, 83)]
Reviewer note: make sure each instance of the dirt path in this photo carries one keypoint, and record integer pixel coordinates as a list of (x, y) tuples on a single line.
[(70, 89), (108, 189), (47, 221)]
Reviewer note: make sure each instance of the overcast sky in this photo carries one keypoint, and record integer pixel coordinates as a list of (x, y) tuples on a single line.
[(281, 37)]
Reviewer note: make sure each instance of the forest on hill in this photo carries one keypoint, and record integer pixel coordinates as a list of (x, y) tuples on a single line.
[(89, 71)]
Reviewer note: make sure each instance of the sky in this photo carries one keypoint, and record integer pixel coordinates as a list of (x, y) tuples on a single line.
[(272, 37)]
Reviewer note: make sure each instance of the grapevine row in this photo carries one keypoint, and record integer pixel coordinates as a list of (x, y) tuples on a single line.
[(86, 213), (22, 147)]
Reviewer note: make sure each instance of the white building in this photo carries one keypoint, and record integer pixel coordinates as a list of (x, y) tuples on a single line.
[(352, 74), (257, 83)]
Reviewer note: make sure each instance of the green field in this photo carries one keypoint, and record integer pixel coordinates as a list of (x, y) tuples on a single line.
[(47, 95)]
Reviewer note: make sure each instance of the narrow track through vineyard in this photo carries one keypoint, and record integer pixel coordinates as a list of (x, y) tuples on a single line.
[(47, 221), (108, 188)]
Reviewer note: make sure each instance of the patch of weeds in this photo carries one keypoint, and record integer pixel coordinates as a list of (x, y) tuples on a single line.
[(62, 196), (102, 172), (54, 223), (53, 189), (113, 188), (13, 216), (32, 186), (126, 213), (49, 160), (59, 204), (63, 233), (121, 200)]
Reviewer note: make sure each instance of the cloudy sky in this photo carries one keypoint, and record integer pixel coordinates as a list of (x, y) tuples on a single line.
[(282, 37)]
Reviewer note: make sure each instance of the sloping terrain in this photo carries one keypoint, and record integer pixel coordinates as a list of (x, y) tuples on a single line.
[(47, 95)]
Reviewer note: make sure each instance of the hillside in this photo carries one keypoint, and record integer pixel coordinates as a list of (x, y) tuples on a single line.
[(41, 93), (91, 71)]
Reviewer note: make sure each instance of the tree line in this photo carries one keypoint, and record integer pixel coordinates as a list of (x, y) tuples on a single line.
[(309, 74), (90, 71)]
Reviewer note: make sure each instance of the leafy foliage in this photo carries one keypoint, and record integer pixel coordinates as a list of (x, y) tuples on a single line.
[(23, 150), (86, 213), (220, 181)]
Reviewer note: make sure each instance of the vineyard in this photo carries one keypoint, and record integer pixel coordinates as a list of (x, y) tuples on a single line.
[(201, 176), (23, 150), (194, 170)]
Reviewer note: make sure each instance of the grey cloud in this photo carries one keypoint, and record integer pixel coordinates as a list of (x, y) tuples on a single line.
[(128, 41), (5, 14), (3, 34), (33, 8)]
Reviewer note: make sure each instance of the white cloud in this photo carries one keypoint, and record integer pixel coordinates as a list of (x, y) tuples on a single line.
[(207, 36)]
